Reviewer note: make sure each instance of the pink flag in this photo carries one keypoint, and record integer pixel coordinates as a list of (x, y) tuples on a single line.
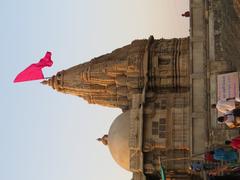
[(34, 71)]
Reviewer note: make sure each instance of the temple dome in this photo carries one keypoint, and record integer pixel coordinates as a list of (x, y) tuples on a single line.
[(118, 138)]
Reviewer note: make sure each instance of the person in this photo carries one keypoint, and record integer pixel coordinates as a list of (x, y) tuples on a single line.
[(228, 119), (197, 166), (227, 105), (234, 143), (208, 156), (221, 154), (231, 114)]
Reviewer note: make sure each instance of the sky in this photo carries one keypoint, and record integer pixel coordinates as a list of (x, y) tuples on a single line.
[(46, 135)]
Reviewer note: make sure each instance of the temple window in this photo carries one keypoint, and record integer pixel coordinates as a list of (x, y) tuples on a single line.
[(162, 127), (155, 128)]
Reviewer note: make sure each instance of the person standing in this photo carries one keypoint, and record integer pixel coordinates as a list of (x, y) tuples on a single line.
[(226, 105), (234, 143), (225, 155)]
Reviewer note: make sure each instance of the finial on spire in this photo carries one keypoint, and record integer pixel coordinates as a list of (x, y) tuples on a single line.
[(186, 14), (49, 81), (44, 82), (104, 139)]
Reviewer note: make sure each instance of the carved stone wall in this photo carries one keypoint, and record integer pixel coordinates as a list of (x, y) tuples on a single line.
[(166, 132)]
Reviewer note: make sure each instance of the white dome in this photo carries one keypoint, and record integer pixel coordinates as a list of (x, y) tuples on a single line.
[(118, 138)]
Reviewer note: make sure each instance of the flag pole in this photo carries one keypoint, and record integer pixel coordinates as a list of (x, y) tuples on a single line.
[(45, 81)]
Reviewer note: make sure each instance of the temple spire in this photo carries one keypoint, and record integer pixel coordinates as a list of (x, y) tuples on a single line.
[(111, 80)]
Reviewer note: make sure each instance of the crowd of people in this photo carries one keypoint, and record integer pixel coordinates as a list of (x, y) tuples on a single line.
[(229, 112), (227, 155)]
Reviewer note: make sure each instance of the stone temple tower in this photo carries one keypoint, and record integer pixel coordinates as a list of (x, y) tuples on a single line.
[(149, 81)]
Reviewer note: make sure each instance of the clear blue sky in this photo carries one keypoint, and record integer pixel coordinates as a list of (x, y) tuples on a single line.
[(46, 135)]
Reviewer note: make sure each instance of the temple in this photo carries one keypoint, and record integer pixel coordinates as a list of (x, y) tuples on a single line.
[(165, 88)]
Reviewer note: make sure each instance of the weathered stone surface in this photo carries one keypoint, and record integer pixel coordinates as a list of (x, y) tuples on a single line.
[(227, 25)]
